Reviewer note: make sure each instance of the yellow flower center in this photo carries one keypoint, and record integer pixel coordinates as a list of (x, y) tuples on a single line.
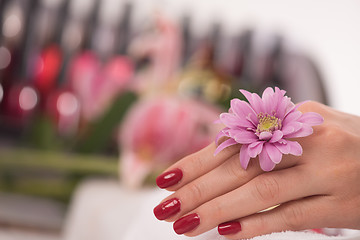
[(267, 123)]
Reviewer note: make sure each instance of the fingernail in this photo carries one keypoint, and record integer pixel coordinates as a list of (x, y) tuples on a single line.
[(228, 228), (169, 178), (187, 223), (167, 209)]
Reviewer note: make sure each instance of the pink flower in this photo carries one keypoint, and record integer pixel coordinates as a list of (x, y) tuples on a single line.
[(264, 126), (160, 130)]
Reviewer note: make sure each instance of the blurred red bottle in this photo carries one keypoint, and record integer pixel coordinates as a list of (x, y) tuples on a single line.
[(59, 102), (85, 66), (118, 71), (11, 44), (20, 97)]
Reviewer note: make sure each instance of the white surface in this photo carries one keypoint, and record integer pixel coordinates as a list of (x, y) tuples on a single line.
[(102, 210)]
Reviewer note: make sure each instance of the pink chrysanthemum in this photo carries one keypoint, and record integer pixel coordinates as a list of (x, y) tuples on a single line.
[(264, 126)]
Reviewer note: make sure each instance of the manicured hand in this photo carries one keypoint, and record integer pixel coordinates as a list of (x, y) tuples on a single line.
[(318, 189)]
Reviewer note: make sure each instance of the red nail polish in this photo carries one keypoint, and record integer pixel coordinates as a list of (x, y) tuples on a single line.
[(169, 178), (167, 209), (187, 223), (228, 228)]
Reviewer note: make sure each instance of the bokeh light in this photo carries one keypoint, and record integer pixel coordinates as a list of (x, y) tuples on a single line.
[(5, 57), (67, 104), (12, 26), (28, 98)]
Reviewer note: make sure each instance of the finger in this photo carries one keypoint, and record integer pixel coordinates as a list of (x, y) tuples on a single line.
[(193, 166), (260, 193), (306, 213), (225, 178), (221, 180)]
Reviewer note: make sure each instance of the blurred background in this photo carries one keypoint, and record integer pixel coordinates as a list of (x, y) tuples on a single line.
[(106, 94)]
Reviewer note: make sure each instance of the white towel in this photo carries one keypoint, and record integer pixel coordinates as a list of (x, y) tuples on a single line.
[(103, 210), (151, 228)]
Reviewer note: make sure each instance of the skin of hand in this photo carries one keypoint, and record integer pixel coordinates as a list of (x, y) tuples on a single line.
[(318, 189)]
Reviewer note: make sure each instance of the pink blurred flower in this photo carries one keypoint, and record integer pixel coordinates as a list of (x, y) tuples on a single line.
[(98, 85), (264, 126), (83, 71), (161, 130), (162, 47)]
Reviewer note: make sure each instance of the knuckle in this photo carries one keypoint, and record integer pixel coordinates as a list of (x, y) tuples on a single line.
[(332, 131), (262, 222), (293, 217), (196, 161), (218, 210), (196, 191), (339, 145), (234, 169), (338, 137), (267, 188), (312, 106)]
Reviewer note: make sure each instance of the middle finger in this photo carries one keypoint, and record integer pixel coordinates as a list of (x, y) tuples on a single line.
[(221, 180)]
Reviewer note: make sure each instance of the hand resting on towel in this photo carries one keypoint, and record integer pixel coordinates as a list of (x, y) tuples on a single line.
[(318, 189)]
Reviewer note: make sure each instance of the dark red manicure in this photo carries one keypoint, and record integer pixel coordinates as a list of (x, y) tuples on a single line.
[(166, 209), (228, 228), (187, 223), (169, 178)]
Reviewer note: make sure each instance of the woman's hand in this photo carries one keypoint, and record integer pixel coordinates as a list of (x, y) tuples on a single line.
[(318, 189)]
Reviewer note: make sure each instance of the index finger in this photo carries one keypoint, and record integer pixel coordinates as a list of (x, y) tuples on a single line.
[(194, 166)]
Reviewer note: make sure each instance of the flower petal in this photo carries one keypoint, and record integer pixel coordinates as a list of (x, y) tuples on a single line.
[(274, 153), (295, 148), (269, 100), (253, 119), (280, 92), (227, 143), (268, 92), (265, 162), (311, 118), (244, 156), (265, 135), (241, 108), (232, 121), (291, 128), (247, 94), (291, 107), (276, 136), (222, 133), (284, 148), (254, 100), (244, 137), (291, 117), (257, 103), (305, 130), (255, 148), (283, 106)]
